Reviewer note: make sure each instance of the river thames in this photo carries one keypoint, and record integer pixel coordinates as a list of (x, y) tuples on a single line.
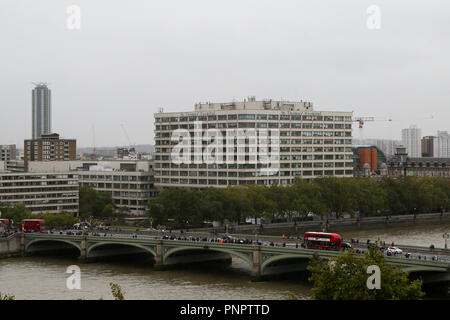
[(45, 277)]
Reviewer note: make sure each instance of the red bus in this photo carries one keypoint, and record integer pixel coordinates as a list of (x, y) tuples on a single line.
[(4, 225), (32, 225), (322, 241)]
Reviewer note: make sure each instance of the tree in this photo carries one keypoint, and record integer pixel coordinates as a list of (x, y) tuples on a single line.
[(92, 202), (108, 211), (308, 198), (235, 203), (116, 291), (58, 219), (257, 200), (282, 197), (345, 278), (211, 205), (180, 204), (336, 194), (124, 211), (16, 213), (369, 196)]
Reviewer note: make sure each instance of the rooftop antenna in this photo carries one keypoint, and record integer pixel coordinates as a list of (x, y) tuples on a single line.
[(41, 83)]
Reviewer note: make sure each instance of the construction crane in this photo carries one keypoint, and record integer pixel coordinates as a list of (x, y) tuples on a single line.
[(93, 137), (131, 145), (362, 120)]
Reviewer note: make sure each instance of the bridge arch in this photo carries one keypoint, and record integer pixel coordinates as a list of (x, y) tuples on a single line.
[(238, 254), (76, 245), (136, 245), (280, 257)]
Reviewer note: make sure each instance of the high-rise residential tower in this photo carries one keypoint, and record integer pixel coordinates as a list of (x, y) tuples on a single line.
[(429, 146), (443, 144), (41, 110), (411, 139)]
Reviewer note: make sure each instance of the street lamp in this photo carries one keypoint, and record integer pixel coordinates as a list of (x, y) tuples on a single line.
[(445, 236)]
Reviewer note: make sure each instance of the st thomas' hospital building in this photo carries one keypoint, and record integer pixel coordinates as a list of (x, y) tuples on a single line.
[(311, 144)]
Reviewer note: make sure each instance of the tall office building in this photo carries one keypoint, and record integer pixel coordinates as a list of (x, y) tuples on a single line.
[(310, 144), (41, 192), (443, 144), (429, 146), (7, 152), (49, 148), (41, 111), (411, 139)]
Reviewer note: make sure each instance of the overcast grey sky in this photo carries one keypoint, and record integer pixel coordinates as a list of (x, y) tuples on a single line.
[(132, 57)]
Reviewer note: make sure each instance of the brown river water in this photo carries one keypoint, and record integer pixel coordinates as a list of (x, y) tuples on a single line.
[(45, 277)]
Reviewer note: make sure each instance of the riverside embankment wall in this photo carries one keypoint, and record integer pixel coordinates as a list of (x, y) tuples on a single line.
[(10, 246)]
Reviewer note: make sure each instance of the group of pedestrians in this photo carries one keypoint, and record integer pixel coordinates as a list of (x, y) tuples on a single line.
[(229, 240), (6, 234)]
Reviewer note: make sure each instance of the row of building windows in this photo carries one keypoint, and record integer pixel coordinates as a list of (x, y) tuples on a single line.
[(232, 125), (255, 142), (34, 177), (115, 178), (251, 165), (242, 166), (159, 134), (37, 183), (252, 139), (253, 117), (35, 190), (240, 182), (118, 185), (281, 149), (254, 173)]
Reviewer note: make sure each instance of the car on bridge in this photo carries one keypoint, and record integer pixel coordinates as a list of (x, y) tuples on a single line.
[(346, 245), (393, 250)]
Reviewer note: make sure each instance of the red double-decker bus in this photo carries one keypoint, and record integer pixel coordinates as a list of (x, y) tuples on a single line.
[(32, 225), (4, 225), (322, 241)]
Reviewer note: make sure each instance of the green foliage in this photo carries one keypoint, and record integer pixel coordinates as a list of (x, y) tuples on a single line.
[(116, 291), (16, 213), (345, 278), (57, 219), (321, 196), (7, 297), (94, 203), (108, 211), (291, 296)]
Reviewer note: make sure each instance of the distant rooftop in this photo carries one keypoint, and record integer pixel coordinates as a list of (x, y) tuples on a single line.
[(252, 104)]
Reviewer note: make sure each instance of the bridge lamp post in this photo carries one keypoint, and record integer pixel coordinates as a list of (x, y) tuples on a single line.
[(445, 236)]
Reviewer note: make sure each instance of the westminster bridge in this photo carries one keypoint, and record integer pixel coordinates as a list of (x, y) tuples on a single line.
[(262, 260)]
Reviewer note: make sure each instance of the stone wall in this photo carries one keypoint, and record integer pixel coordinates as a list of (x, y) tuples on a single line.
[(10, 246)]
